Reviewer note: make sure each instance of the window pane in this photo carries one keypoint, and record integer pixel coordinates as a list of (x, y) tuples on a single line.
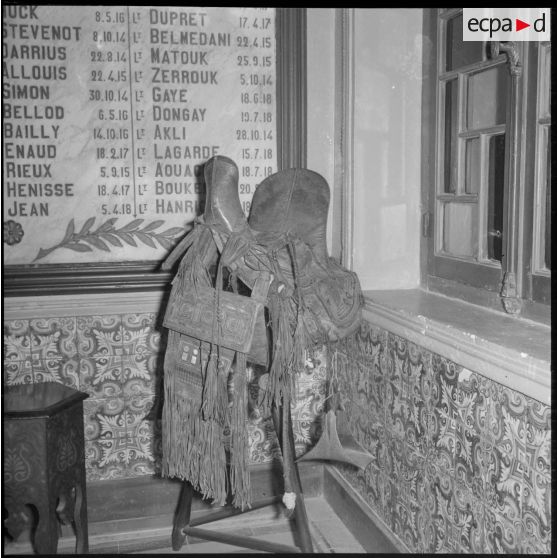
[(460, 229), (545, 82), (472, 165), (459, 52), (495, 212), (487, 98), (450, 138), (548, 204)]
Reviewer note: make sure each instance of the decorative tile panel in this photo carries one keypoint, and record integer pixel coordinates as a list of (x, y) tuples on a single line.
[(461, 463), (118, 360), (17, 363)]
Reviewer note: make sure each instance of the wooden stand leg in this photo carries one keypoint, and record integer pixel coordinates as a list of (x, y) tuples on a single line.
[(182, 516), (284, 428), (301, 517), (182, 524), (46, 534), (80, 521)]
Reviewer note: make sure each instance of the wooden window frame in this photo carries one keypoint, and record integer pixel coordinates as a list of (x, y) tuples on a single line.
[(537, 286), (517, 286)]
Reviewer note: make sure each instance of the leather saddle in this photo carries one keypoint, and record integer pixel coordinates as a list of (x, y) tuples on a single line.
[(262, 290)]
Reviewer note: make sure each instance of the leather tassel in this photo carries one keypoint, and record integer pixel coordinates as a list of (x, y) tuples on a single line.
[(239, 471), (214, 397)]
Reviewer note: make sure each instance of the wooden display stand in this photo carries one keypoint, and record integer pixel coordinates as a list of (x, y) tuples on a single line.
[(44, 462), (183, 525)]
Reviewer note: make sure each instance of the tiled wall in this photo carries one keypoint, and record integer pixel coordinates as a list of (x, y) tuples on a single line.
[(118, 360), (461, 463)]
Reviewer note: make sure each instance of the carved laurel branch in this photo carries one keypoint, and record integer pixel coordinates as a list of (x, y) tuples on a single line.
[(107, 236)]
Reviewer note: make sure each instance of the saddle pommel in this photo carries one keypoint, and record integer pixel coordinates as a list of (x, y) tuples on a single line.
[(222, 204)]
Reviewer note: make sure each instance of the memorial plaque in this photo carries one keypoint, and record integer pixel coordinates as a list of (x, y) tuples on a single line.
[(110, 112)]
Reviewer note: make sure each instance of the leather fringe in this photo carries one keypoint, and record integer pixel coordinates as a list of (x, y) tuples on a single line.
[(239, 472), (214, 397), (193, 448)]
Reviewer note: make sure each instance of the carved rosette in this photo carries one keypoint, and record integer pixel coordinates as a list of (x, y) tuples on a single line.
[(512, 52), (510, 300)]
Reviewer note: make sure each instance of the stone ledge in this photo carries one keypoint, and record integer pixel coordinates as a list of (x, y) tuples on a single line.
[(508, 350)]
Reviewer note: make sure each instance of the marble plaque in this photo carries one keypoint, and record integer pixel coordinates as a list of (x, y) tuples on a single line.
[(110, 112)]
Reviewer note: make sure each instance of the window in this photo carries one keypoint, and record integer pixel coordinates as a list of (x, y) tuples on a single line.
[(489, 193), (542, 212)]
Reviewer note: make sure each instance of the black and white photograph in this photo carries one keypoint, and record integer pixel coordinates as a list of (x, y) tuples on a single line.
[(278, 280)]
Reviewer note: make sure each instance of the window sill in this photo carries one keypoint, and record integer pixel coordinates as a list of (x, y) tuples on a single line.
[(512, 351)]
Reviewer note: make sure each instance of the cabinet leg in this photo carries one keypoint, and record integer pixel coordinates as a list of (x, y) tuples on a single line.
[(80, 521), (182, 515), (46, 534)]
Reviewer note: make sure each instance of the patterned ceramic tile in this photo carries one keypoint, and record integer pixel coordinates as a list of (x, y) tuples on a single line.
[(426, 515), (537, 485), (64, 371), (501, 536), (18, 372), (16, 327), (456, 531), (393, 458), (139, 456), (450, 524), (343, 366), (309, 399), (140, 345), (508, 484), (113, 439), (405, 522), (53, 336), (388, 491), (537, 538), (371, 485), (91, 330), (468, 468), (351, 345), (537, 496), (263, 444), (415, 429), (538, 431), (17, 340), (368, 344), (17, 353), (96, 388), (407, 502), (360, 378), (446, 413), (98, 437)]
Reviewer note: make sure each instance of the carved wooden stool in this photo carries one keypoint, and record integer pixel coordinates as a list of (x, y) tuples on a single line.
[(44, 462)]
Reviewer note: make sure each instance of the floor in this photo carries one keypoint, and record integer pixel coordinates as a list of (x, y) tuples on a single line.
[(329, 535)]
